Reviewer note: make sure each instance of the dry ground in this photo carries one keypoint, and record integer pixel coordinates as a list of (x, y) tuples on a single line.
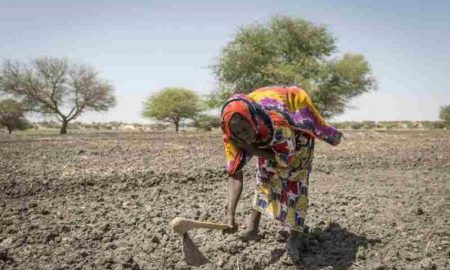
[(380, 200)]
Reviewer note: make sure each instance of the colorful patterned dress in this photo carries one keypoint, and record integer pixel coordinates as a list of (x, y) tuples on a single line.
[(282, 186)]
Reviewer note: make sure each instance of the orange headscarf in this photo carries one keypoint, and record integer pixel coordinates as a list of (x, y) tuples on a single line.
[(241, 107)]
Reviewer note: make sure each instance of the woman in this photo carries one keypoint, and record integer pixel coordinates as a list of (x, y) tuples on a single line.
[(279, 126)]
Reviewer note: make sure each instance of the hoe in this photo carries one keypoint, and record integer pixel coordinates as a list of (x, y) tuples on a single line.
[(192, 255)]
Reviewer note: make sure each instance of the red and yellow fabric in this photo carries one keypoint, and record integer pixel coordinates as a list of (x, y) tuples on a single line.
[(291, 105), (287, 123)]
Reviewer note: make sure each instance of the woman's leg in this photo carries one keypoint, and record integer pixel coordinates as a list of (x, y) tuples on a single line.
[(292, 255), (252, 230)]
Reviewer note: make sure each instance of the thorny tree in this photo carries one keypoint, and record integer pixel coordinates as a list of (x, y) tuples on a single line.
[(292, 51), (172, 104), (12, 115), (57, 86)]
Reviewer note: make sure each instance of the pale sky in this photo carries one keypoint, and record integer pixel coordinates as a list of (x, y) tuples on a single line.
[(143, 46)]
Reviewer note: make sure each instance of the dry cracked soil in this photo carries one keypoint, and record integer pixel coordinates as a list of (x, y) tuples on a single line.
[(380, 200)]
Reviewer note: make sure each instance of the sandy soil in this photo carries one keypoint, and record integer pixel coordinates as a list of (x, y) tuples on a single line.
[(380, 200)]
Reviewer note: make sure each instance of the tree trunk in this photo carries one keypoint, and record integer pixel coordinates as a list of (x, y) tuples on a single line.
[(177, 123), (64, 127), (9, 130)]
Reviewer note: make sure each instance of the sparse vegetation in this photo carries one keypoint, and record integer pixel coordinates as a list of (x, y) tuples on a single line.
[(12, 116), (444, 114), (206, 122), (56, 87), (172, 105)]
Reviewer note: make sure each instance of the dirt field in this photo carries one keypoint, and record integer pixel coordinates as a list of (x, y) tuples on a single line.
[(380, 200)]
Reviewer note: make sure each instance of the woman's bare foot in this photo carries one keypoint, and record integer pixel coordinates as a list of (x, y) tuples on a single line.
[(282, 236), (249, 234), (292, 255)]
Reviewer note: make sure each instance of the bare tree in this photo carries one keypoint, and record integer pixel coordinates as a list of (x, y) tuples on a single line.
[(57, 86)]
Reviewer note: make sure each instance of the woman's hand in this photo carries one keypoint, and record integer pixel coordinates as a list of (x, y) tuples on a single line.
[(245, 146), (234, 190), (254, 151)]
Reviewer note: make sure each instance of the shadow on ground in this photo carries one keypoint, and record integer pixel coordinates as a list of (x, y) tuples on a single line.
[(332, 246), (192, 255)]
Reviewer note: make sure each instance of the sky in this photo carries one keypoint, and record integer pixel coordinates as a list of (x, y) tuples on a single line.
[(144, 46)]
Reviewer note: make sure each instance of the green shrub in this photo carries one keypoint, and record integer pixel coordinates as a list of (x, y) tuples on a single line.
[(439, 125), (444, 114), (356, 125), (412, 124), (206, 122), (369, 124), (159, 126)]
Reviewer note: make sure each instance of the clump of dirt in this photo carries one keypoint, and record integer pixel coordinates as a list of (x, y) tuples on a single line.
[(103, 201)]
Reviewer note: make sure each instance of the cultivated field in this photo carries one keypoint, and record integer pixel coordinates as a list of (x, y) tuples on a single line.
[(380, 200)]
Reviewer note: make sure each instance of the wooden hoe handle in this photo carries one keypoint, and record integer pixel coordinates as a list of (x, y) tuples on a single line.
[(182, 225)]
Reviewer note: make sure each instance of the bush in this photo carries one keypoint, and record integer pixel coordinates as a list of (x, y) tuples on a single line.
[(439, 124), (76, 125), (389, 124), (159, 126), (12, 115), (49, 124), (206, 122), (24, 124), (369, 124), (20, 124), (412, 125), (444, 114), (356, 125)]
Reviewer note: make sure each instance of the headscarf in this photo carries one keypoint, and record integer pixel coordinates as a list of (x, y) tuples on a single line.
[(254, 114), (258, 119), (237, 106)]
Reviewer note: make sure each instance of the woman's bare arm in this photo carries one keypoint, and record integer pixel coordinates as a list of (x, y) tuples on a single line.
[(234, 190), (267, 154), (264, 153)]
